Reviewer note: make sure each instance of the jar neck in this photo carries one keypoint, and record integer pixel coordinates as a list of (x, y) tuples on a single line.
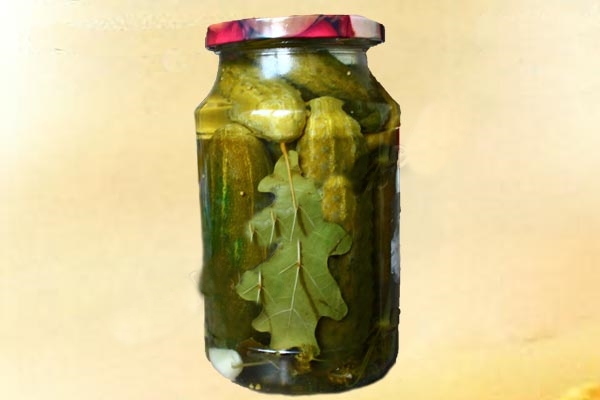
[(271, 53)]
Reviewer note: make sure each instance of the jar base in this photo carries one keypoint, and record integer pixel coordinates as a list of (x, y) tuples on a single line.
[(284, 372)]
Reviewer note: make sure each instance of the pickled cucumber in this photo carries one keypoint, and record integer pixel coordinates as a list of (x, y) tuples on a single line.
[(332, 143), (212, 114), (321, 74), (332, 152), (233, 162), (353, 271), (384, 155), (271, 108)]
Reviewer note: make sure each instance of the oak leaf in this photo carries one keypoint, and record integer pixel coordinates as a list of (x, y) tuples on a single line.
[(294, 285)]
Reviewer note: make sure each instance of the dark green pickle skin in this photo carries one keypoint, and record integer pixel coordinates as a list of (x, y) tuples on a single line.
[(232, 184), (361, 348)]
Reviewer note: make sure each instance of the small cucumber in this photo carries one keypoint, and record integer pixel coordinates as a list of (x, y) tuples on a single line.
[(332, 143), (271, 108)]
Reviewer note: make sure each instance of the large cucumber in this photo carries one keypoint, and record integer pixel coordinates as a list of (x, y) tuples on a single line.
[(232, 163), (383, 148), (384, 153), (353, 271)]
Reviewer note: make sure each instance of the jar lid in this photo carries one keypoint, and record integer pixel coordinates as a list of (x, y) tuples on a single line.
[(293, 27)]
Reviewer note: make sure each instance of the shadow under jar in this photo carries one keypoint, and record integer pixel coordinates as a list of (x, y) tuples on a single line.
[(299, 193)]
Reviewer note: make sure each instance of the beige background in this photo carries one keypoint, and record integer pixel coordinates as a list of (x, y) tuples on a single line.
[(99, 221)]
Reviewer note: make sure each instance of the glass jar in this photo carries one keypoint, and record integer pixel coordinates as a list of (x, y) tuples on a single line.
[(299, 193)]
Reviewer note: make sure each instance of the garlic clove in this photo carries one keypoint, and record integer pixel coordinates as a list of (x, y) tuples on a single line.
[(228, 362)]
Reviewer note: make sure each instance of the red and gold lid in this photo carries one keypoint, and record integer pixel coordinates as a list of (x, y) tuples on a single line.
[(294, 27)]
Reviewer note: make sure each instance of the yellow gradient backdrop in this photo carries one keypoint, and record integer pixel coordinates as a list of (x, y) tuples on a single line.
[(99, 217)]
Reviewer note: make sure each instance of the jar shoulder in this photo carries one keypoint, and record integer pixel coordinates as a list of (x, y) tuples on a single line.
[(270, 83)]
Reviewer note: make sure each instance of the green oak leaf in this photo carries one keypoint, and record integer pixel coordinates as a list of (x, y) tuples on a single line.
[(294, 285)]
